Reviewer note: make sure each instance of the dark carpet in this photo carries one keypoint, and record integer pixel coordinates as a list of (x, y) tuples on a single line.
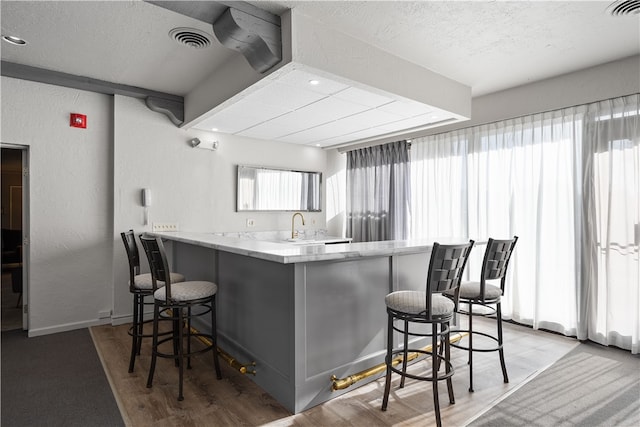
[(590, 386), (54, 380)]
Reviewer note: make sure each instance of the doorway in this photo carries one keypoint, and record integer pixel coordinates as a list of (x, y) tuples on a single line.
[(14, 253)]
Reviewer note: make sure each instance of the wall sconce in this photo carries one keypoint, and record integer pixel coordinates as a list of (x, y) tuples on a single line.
[(207, 145)]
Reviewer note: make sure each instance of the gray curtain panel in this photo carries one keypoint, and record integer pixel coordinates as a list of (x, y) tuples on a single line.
[(378, 192)]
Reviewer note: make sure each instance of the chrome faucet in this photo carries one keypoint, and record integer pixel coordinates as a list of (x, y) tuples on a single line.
[(294, 233)]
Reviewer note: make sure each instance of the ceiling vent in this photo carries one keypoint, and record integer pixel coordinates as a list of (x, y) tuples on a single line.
[(191, 37), (624, 7)]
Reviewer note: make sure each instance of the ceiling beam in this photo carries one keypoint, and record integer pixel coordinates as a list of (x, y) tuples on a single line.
[(259, 41), (170, 105), (240, 26), (173, 109), (205, 11), (209, 11)]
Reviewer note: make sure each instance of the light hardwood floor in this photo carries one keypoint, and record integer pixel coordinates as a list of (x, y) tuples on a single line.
[(237, 401)]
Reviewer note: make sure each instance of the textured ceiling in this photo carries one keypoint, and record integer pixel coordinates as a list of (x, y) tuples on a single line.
[(486, 45), (125, 42)]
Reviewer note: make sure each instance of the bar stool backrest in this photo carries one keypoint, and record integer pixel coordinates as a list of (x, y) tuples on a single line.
[(495, 262), (446, 267), (158, 264), (132, 255)]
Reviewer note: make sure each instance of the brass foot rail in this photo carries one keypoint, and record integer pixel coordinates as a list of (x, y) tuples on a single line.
[(226, 356), (343, 383)]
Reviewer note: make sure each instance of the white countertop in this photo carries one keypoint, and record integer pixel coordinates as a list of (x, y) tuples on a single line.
[(293, 252)]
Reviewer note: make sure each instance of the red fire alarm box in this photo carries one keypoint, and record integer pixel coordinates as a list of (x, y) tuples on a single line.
[(78, 121)]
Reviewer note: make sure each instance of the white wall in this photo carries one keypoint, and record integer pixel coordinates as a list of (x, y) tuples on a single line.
[(597, 83), (85, 190), (193, 187), (71, 204)]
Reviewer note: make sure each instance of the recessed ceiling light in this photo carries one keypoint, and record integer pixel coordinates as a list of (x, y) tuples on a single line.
[(14, 40), (214, 129), (314, 82)]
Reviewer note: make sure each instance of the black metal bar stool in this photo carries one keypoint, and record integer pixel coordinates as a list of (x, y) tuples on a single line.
[(141, 286), (185, 300), (494, 267), (430, 307)]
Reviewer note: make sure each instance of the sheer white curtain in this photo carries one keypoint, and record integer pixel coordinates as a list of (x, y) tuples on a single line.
[(543, 178), (612, 217), (439, 187), (524, 172)]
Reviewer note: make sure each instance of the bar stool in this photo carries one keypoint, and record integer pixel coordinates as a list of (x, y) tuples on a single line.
[(494, 267), (141, 286), (430, 307), (180, 299)]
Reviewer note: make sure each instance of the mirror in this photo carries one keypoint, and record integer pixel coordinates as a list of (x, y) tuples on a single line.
[(268, 189)]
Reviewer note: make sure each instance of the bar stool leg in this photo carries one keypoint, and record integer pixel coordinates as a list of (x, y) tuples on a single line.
[(470, 347), (180, 355), (134, 333), (441, 350), (447, 358), (140, 302), (214, 338), (405, 352), (387, 380), (154, 348), (501, 351), (434, 367), (189, 337), (176, 333)]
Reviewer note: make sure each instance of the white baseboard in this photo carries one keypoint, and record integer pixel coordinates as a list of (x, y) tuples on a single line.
[(35, 332), (120, 319)]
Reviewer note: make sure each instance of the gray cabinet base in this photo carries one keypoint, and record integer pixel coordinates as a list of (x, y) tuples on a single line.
[(302, 323)]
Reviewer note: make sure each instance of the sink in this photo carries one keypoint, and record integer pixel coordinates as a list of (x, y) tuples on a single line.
[(321, 241)]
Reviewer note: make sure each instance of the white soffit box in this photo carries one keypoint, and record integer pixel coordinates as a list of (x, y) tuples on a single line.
[(337, 91)]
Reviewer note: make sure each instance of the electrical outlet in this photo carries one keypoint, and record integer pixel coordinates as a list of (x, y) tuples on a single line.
[(165, 226), (251, 222)]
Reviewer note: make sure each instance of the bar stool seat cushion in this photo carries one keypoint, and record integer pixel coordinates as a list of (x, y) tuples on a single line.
[(145, 283), (415, 302), (471, 290), (187, 291)]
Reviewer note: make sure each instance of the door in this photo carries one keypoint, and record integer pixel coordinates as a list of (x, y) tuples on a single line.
[(15, 253)]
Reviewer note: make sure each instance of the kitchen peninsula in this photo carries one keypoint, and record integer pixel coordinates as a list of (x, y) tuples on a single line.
[(301, 312)]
